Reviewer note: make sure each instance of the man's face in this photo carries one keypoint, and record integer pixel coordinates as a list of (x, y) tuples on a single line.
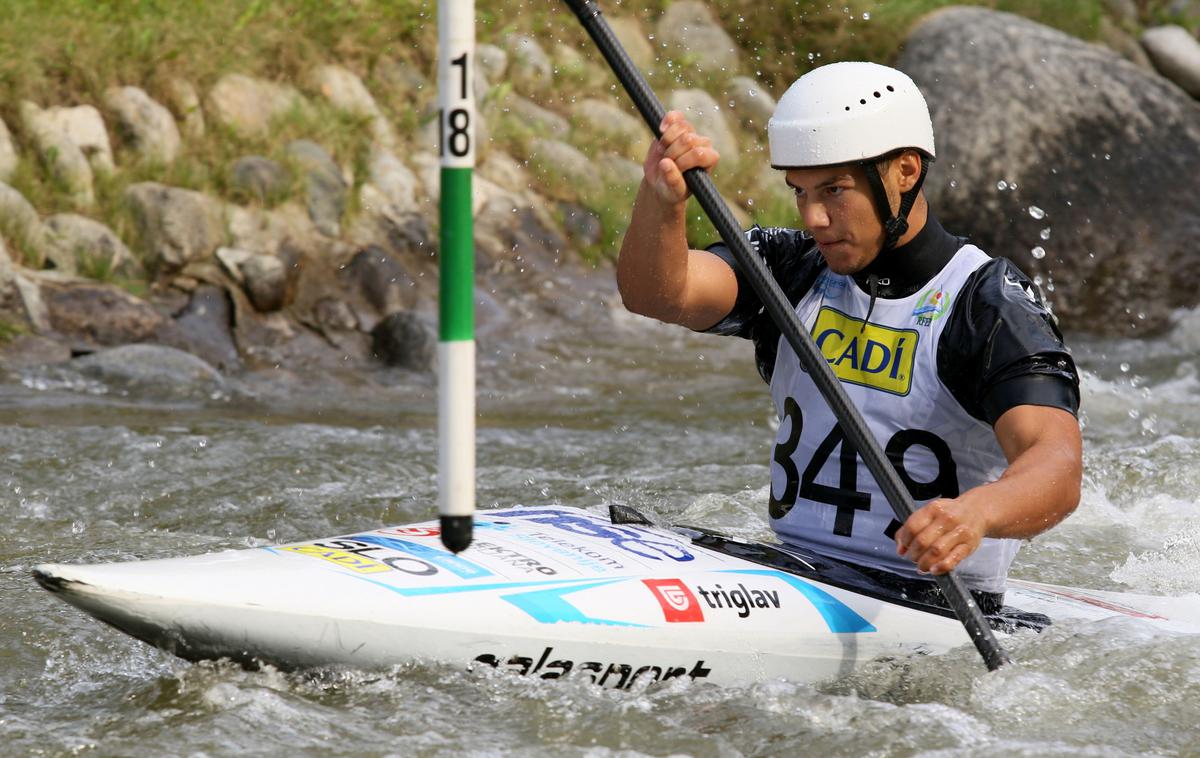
[(837, 207)]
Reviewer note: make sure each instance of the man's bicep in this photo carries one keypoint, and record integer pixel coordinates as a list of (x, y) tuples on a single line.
[(711, 291), (1023, 426)]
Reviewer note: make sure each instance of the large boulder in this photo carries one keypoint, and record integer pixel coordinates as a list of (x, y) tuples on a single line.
[(1103, 155)]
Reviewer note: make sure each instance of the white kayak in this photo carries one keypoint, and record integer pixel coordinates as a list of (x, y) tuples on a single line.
[(549, 592)]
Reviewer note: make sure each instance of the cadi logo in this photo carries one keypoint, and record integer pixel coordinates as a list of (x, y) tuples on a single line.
[(678, 603)]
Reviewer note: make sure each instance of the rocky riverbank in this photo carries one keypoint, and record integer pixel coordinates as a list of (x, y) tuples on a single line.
[(1076, 160)]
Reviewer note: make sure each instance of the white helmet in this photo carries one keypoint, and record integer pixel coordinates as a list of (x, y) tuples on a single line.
[(847, 113)]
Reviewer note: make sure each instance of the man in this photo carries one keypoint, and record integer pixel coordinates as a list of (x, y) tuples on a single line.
[(951, 356)]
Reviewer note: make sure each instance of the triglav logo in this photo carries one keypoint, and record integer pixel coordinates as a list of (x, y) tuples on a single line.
[(932, 305), (677, 601)]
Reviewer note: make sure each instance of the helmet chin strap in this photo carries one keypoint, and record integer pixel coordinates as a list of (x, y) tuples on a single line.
[(894, 226)]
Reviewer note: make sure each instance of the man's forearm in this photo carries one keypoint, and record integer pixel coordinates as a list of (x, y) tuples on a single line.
[(653, 264)]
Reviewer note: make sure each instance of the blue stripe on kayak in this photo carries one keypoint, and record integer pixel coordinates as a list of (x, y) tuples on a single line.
[(545, 606), (548, 606), (838, 616), (419, 591)]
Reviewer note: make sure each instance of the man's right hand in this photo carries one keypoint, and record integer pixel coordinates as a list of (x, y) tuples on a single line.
[(679, 149)]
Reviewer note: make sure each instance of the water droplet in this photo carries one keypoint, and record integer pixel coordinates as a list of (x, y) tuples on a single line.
[(1134, 413), (1001, 185), (866, 15), (953, 184), (1037, 279), (1037, 212), (203, 443), (1124, 368), (1045, 234), (1038, 252)]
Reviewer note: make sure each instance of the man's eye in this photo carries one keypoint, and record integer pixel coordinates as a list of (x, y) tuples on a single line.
[(835, 191)]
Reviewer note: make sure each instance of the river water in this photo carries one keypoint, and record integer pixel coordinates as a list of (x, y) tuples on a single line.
[(615, 410)]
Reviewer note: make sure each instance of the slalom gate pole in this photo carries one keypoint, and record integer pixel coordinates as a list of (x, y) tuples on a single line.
[(456, 316), (767, 289)]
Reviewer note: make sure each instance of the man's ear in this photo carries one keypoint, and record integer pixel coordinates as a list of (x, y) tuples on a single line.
[(907, 168)]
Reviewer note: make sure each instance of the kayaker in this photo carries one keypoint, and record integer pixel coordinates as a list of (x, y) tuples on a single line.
[(952, 356)]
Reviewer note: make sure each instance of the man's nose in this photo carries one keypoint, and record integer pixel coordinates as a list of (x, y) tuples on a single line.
[(814, 216)]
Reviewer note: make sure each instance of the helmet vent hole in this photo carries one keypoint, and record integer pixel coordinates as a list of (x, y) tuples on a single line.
[(890, 88), (847, 107), (862, 102), (878, 95)]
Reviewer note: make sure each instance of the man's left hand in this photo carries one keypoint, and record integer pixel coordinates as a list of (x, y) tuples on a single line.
[(941, 534)]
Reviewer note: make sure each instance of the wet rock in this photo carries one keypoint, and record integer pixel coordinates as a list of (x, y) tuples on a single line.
[(59, 153), (8, 153), (152, 370), (83, 240), (346, 92), (266, 282), (204, 328), (629, 32), (602, 122), (1176, 55), (144, 124), (29, 350), (621, 175), (688, 30), (92, 314), (383, 280), (491, 62), (184, 101), (564, 172), (326, 189), (751, 102), (249, 106), (258, 179), (1123, 11), (176, 226), (706, 115), (529, 66), (22, 228), (84, 126), (403, 340), (1086, 137)]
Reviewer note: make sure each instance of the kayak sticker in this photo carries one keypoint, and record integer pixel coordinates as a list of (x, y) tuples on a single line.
[(440, 558), (740, 599), (546, 606), (615, 675), (625, 538), (344, 558), (839, 617), (678, 603), (549, 607)]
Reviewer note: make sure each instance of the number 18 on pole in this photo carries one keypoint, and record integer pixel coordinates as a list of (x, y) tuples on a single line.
[(456, 317)]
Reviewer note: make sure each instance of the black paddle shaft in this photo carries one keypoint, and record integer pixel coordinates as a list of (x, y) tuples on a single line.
[(768, 291)]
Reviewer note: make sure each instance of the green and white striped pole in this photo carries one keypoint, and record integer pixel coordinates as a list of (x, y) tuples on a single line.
[(456, 345)]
